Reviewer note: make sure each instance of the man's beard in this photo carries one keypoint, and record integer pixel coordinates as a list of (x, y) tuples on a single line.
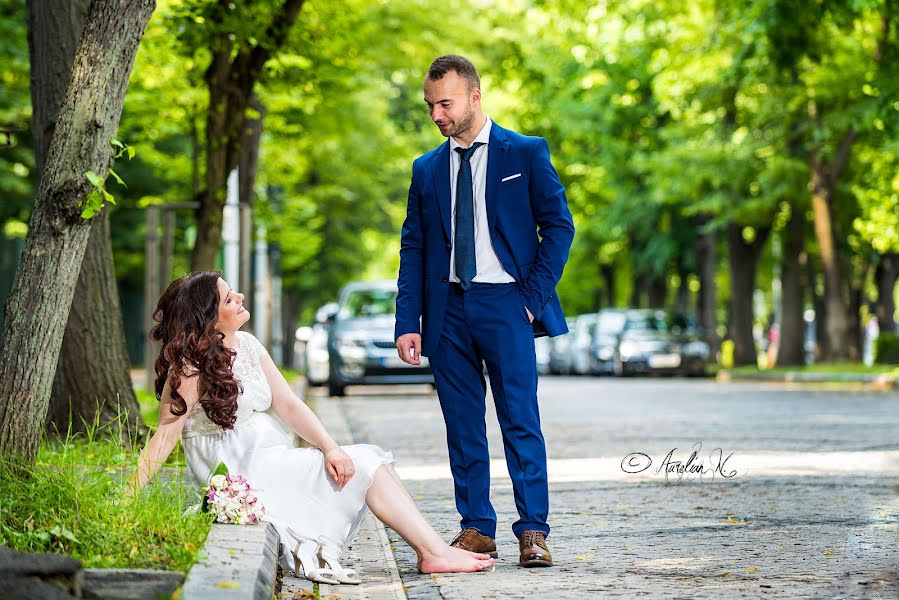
[(465, 124)]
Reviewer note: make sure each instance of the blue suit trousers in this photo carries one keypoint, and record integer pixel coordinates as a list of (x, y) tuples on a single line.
[(488, 325)]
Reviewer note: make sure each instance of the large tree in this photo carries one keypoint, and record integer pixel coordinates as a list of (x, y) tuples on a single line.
[(92, 382), (38, 305), (241, 38)]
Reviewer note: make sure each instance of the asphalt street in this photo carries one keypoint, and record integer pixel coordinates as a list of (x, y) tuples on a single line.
[(671, 488)]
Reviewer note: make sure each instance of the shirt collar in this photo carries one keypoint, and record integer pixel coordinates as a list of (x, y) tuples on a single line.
[(483, 136)]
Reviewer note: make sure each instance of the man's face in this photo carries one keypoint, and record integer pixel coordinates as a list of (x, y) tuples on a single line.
[(451, 104)]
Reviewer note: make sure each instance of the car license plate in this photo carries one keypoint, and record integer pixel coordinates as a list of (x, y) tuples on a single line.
[(664, 361)]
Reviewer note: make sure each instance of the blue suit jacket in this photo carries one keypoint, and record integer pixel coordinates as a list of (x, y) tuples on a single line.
[(516, 208)]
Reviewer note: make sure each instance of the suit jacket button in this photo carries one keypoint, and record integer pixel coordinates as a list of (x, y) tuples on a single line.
[(445, 279)]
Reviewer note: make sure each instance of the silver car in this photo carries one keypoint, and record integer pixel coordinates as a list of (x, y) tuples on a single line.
[(361, 347)]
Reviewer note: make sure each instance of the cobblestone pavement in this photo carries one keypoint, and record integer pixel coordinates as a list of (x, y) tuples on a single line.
[(823, 524)]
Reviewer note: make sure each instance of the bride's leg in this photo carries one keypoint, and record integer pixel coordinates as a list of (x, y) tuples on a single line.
[(391, 503)]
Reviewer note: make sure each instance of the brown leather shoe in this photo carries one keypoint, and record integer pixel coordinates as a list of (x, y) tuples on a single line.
[(534, 552), (474, 541)]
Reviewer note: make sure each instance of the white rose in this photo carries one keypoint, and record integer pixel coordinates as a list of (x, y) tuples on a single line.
[(217, 481)]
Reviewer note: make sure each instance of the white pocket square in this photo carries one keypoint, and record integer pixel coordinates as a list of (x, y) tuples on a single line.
[(510, 177)]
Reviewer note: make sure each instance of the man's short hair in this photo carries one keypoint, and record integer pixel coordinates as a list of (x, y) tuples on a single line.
[(452, 62)]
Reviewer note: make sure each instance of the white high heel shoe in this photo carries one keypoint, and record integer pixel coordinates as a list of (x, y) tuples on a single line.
[(330, 553), (307, 560)]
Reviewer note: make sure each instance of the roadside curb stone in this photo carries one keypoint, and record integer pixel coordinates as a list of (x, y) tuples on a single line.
[(239, 561)]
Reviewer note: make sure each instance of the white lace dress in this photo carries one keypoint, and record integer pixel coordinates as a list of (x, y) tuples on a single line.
[(291, 482)]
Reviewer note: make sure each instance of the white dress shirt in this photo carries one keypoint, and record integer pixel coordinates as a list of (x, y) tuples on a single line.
[(489, 269)]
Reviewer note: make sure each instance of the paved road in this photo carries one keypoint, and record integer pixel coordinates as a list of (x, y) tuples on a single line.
[(806, 506)]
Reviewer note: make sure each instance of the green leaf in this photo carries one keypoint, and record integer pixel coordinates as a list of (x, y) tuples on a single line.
[(109, 198), (117, 143), (222, 469), (94, 178), (116, 177), (131, 152)]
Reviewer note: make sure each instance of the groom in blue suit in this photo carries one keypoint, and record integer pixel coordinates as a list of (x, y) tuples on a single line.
[(486, 236)]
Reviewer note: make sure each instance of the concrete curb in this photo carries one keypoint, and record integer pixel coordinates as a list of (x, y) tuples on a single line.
[(239, 561)]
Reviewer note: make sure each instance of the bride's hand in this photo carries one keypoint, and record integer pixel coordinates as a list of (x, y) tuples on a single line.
[(339, 465)]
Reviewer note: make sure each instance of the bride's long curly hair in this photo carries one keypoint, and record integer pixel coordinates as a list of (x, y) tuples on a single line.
[(186, 315)]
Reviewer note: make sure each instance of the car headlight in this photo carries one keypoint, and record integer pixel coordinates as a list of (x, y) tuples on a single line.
[(697, 348), (628, 348), (606, 352)]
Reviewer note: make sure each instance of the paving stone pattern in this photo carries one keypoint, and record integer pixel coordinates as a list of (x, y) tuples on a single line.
[(753, 537)]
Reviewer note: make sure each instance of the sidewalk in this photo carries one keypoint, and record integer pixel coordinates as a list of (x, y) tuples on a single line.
[(830, 534)]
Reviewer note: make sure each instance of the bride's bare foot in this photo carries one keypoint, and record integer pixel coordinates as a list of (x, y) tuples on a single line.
[(454, 560)]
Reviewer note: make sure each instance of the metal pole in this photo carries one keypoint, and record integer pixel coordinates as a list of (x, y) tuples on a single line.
[(168, 245), (277, 314), (231, 233), (260, 299), (151, 291), (246, 252)]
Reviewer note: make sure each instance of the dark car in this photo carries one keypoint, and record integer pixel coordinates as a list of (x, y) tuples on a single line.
[(604, 341), (361, 348), (653, 341)]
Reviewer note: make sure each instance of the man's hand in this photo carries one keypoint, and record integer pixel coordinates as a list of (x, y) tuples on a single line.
[(530, 316), (408, 346)]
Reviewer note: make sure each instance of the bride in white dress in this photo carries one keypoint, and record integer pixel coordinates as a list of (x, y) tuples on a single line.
[(216, 383)]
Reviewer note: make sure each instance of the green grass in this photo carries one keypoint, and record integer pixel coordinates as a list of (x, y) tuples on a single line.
[(848, 367), (71, 501)]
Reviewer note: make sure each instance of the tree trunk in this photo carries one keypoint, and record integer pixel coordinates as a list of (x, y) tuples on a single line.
[(792, 320), (93, 369), (248, 167), (708, 295), (853, 317), (230, 79), (743, 259), (93, 381), (608, 276), (885, 276), (291, 305), (38, 304), (658, 291), (54, 29), (823, 185)]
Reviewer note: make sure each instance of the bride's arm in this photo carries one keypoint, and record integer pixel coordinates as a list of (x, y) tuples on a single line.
[(301, 419), (294, 411), (166, 436)]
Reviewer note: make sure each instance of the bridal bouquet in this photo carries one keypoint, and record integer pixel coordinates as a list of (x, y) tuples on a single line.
[(231, 499)]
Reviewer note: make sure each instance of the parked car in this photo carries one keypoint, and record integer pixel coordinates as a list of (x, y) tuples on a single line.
[(559, 356), (316, 361), (361, 348), (542, 348), (581, 341), (604, 341), (653, 341)]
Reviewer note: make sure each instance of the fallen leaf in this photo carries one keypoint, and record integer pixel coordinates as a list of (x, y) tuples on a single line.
[(827, 552), (228, 585), (629, 548), (752, 569), (725, 574), (733, 521), (583, 556)]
